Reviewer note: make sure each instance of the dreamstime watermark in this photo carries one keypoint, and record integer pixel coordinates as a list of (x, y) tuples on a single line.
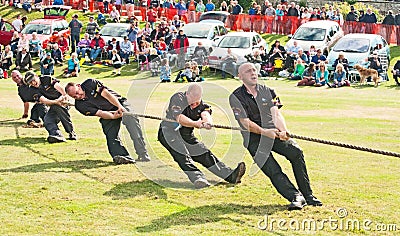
[(340, 221)]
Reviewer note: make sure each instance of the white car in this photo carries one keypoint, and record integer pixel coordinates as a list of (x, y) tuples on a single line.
[(114, 30), (240, 43), (323, 34), (206, 31)]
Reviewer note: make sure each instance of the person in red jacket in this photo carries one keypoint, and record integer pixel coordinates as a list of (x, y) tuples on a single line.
[(151, 16), (63, 44), (180, 45), (97, 44)]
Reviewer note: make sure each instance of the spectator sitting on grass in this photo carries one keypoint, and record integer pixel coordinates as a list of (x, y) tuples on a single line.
[(308, 76), (47, 65), (116, 62), (298, 70), (23, 60), (319, 57), (186, 75), (23, 42), (322, 75), (6, 58), (73, 66), (35, 45), (165, 71), (57, 55), (114, 15), (339, 77)]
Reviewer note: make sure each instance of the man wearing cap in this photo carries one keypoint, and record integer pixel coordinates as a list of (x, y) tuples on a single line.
[(188, 111), (97, 44), (317, 58), (47, 65), (75, 27), (52, 94), (26, 93), (23, 60), (92, 98), (92, 27)]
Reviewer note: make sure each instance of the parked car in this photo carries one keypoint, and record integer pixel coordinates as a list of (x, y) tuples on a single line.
[(357, 48), (241, 44), (53, 21), (207, 32), (323, 34), (7, 33), (114, 30), (215, 15)]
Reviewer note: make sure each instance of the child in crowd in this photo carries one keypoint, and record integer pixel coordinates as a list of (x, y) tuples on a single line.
[(186, 75), (116, 62), (165, 71), (298, 70)]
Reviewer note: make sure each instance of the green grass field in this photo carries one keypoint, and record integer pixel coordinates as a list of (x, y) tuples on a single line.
[(74, 188)]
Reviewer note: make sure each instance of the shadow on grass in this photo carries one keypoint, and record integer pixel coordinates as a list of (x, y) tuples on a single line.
[(209, 214), (74, 166), (137, 188)]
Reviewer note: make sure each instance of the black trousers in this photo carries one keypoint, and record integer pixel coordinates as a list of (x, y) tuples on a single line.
[(56, 114), (38, 112), (111, 129), (260, 148), (185, 149)]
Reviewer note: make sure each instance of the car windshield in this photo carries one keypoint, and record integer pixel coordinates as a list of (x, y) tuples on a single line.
[(213, 16), (38, 28), (310, 34), (234, 42), (352, 45), (113, 31), (196, 30)]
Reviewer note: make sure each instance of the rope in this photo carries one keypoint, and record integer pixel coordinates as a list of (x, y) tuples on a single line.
[(332, 143)]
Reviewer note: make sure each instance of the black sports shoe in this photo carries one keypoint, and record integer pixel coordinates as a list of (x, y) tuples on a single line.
[(144, 158), (123, 160), (313, 201), (238, 173), (55, 139), (297, 203), (201, 183), (72, 136)]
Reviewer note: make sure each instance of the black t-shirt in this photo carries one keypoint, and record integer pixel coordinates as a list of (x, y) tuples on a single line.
[(27, 93), (93, 100), (257, 109), (46, 88), (178, 104)]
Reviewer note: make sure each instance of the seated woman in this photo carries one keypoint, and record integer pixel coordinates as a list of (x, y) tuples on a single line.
[(308, 76), (14, 42), (57, 55), (23, 42), (143, 52), (47, 65), (276, 51), (339, 77), (116, 62), (63, 44), (54, 38), (35, 45), (84, 46), (322, 75), (298, 70), (6, 58), (126, 50), (73, 66), (114, 15)]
